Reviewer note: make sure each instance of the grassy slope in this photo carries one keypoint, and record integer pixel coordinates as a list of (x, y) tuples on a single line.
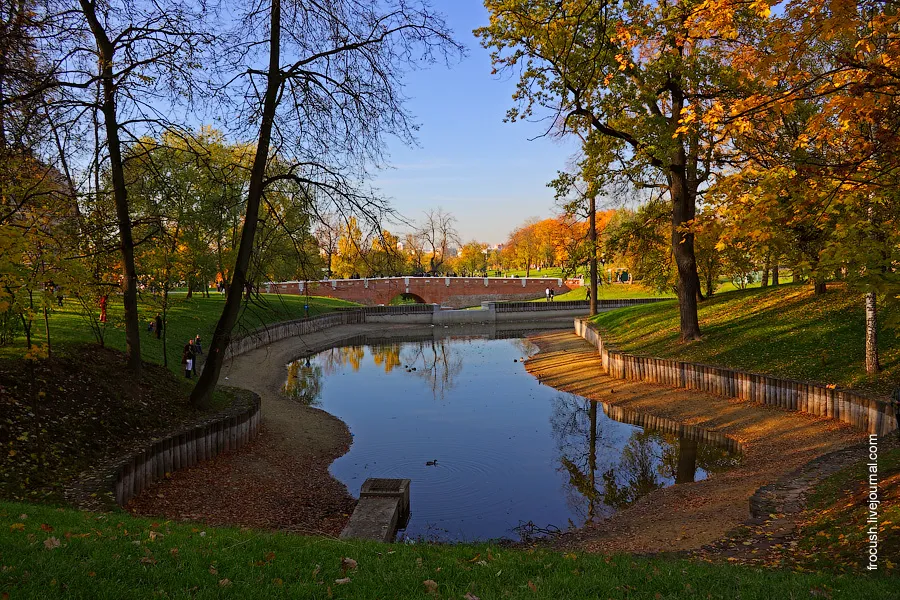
[(117, 556), (67, 413), (834, 535), (612, 292), (186, 319), (784, 331)]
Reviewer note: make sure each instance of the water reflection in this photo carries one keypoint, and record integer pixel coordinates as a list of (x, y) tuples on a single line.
[(434, 360), (648, 460), (386, 356), (510, 451), (304, 381), (437, 362)]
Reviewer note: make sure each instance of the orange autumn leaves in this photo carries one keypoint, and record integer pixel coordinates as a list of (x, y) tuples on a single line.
[(560, 241)]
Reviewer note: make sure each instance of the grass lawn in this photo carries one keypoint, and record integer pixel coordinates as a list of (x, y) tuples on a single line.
[(835, 529), (57, 553), (614, 291), (186, 318), (784, 331)]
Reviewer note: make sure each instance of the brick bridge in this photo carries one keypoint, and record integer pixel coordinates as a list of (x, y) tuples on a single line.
[(456, 292)]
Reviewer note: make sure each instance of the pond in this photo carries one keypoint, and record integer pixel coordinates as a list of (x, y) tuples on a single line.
[(514, 458)]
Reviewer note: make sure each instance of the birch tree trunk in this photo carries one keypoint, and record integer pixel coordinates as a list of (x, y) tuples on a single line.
[(872, 364)]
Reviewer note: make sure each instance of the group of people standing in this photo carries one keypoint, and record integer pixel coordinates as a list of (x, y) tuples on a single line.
[(192, 349)]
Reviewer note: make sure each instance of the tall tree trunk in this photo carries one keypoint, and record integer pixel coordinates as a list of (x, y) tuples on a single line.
[(106, 52), (765, 273), (190, 288), (47, 330), (201, 396), (683, 212), (165, 320), (872, 363), (775, 274), (819, 285), (592, 261)]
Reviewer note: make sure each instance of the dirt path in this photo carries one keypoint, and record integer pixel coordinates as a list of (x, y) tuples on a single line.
[(687, 516), (281, 479)]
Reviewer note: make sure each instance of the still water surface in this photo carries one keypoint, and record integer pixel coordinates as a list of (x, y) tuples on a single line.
[(514, 457)]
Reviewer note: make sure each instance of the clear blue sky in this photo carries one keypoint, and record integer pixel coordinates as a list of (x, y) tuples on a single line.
[(484, 171)]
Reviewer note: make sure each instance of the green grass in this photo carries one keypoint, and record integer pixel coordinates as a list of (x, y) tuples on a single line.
[(784, 331), (186, 318), (55, 553), (836, 529), (615, 291)]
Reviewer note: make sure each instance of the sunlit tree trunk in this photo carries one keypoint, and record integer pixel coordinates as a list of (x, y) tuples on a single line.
[(872, 364)]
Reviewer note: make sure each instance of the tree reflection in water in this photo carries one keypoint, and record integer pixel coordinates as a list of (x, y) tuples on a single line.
[(436, 361), (304, 381), (386, 355), (606, 479), (335, 358)]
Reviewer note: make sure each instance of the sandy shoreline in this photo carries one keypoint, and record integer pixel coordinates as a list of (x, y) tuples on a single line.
[(687, 516), (281, 479)]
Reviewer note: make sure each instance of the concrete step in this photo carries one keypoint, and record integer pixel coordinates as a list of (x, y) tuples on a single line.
[(375, 518)]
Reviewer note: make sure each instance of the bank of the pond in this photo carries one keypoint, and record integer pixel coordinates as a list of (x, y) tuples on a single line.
[(785, 331), (63, 416), (688, 516), (281, 480), (70, 327)]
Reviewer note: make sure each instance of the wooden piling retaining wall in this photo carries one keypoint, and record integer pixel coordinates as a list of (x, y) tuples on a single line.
[(185, 449), (278, 331), (868, 414)]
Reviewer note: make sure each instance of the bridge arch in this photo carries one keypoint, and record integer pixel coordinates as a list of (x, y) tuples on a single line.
[(407, 298)]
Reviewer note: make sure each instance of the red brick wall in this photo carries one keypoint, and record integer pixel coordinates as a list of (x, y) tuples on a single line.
[(457, 292)]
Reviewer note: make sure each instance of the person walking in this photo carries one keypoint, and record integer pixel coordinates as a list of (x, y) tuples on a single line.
[(198, 346), (187, 359), (159, 326), (551, 295), (589, 294), (194, 354), (547, 294), (103, 300)]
